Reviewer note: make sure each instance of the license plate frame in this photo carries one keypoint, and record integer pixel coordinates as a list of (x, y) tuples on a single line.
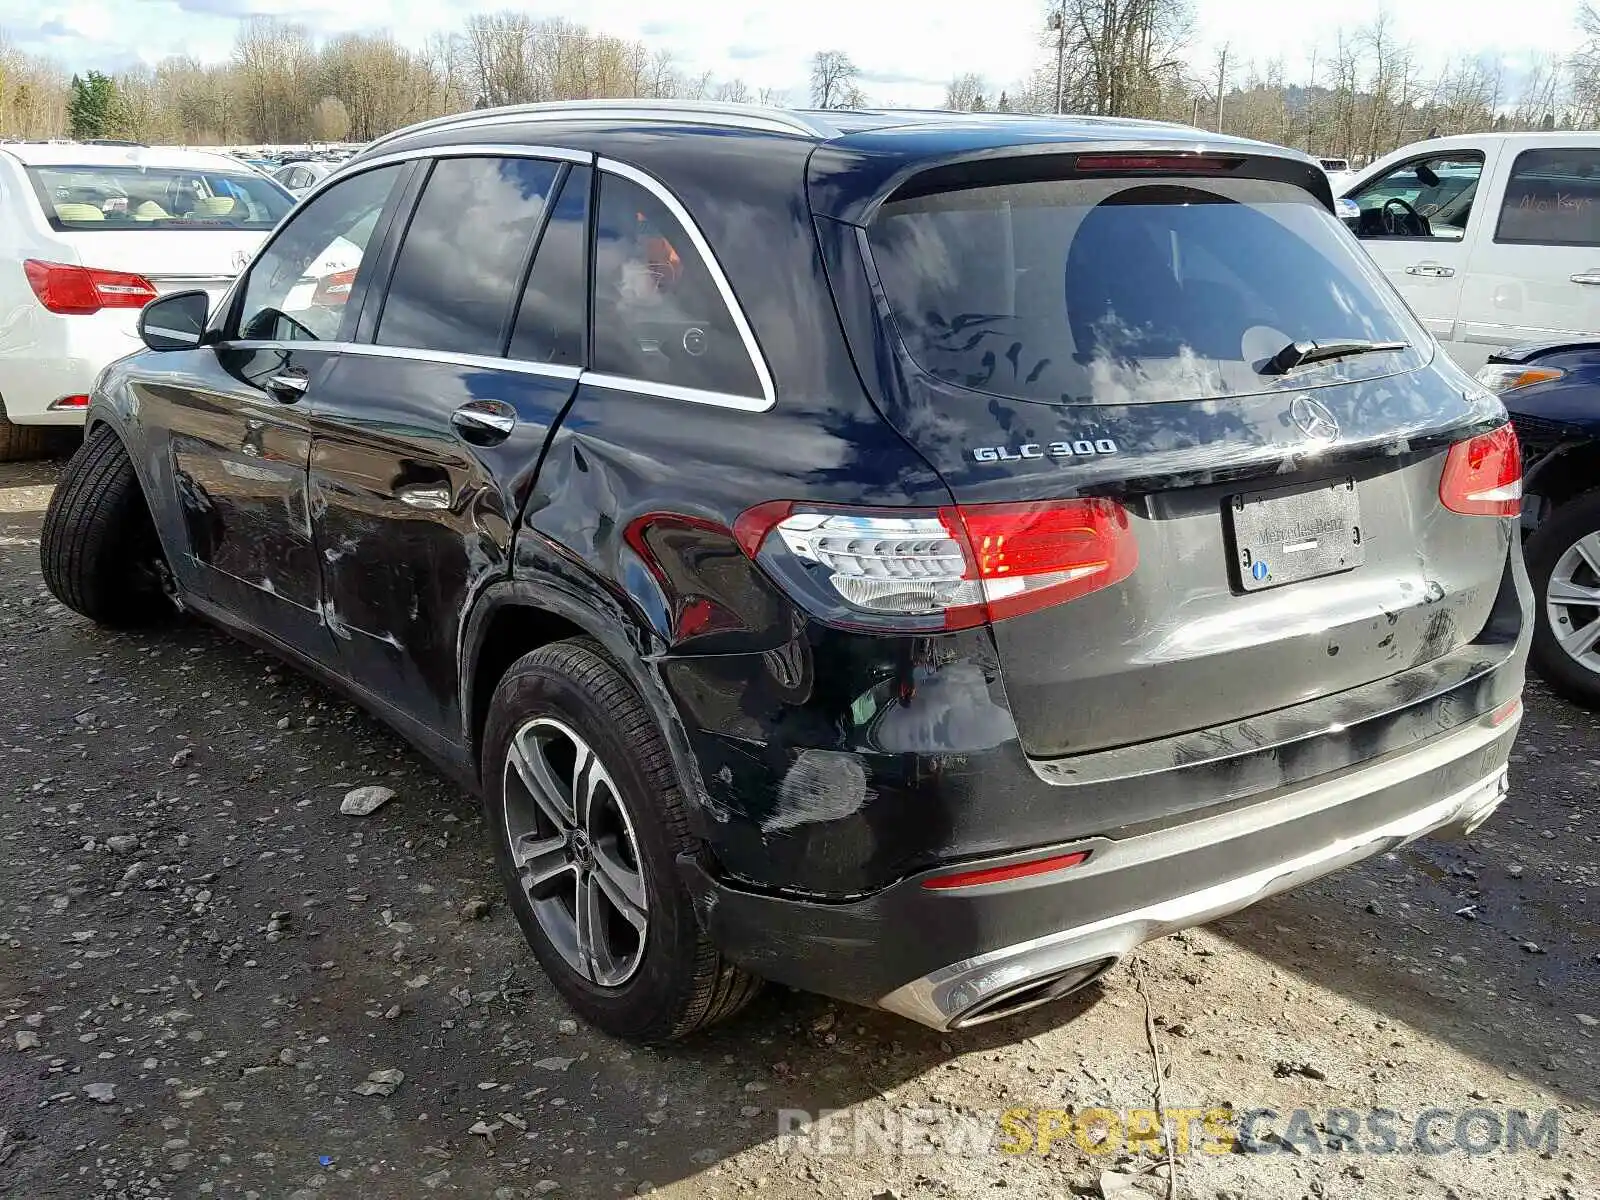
[(1288, 535)]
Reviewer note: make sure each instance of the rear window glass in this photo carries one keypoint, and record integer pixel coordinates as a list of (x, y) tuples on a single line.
[(125, 197), (1117, 291), (1553, 199)]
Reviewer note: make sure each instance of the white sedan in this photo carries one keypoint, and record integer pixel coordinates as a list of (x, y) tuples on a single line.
[(88, 236)]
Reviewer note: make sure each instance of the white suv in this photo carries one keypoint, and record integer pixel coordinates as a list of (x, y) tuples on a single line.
[(1492, 238), (89, 235)]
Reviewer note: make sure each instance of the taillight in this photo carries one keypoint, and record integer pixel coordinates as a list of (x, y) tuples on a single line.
[(76, 291), (1483, 475), (952, 567)]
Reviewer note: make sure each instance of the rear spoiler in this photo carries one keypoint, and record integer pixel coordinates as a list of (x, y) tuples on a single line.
[(850, 185)]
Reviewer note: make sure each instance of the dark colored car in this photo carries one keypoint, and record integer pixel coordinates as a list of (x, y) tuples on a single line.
[(915, 557), (1552, 391)]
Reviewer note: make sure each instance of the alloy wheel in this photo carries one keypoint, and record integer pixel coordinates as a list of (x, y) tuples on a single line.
[(576, 854), (1572, 602)]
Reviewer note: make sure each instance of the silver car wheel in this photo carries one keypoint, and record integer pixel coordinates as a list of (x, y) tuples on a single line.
[(575, 851)]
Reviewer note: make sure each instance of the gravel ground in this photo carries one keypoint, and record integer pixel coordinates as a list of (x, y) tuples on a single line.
[(213, 983)]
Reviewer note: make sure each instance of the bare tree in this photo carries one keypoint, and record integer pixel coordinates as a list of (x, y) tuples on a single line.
[(833, 80), (329, 120), (274, 61), (1112, 57), (1364, 94), (965, 93), (497, 48)]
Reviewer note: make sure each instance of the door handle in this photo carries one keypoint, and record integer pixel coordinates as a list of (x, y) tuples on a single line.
[(484, 422), (1433, 271), (288, 386), (431, 497), (1590, 277)]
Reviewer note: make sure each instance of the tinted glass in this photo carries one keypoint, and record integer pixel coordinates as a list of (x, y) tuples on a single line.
[(1424, 198), (127, 197), (554, 309), (658, 315), (462, 258), (299, 286), (1553, 199), (1111, 292)]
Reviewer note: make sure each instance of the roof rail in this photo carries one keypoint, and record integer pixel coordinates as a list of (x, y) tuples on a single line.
[(696, 112)]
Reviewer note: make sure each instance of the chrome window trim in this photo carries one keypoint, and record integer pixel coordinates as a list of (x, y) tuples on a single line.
[(485, 150), (763, 376), (672, 391), (618, 383), (486, 362)]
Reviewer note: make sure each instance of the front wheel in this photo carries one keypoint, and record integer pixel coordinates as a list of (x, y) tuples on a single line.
[(98, 550), (588, 820), (1563, 557)]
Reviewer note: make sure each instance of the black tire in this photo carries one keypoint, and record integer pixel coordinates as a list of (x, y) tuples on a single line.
[(681, 983), (21, 442), (1555, 535), (98, 550)]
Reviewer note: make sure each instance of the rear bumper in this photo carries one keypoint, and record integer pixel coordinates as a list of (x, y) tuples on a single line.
[(949, 958), (46, 357)]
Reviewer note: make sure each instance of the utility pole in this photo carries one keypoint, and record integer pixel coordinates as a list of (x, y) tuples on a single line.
[(1058, 22), (1222, 80)]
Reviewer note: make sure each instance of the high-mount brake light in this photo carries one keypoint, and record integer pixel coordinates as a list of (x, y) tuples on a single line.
[(1098, 163)]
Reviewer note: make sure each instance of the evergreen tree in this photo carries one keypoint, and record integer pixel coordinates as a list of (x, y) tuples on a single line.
[(91, 106)]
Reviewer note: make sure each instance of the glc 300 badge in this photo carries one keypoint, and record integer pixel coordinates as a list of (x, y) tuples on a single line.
[(1081, 448)]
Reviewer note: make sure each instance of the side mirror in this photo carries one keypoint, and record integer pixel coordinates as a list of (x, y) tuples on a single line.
[(1348, 211), (175, 322)]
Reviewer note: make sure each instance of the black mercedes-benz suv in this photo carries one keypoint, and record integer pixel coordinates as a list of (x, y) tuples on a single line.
[(916, 557)]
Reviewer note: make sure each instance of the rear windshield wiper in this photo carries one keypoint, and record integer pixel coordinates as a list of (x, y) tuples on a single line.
[(1303, 354)]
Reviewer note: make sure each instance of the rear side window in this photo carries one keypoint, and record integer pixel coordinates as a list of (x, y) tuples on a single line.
[(463, 254), (554, 308), (1552, 199), (1112, 291), (658, 314)]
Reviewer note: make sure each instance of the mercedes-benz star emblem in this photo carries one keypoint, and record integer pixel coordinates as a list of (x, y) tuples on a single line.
[(1313, 419)]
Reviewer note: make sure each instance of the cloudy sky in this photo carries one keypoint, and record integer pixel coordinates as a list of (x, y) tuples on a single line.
[(907, 49)]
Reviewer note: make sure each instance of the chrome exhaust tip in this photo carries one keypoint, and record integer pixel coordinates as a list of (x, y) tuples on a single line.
[(1031, 993)]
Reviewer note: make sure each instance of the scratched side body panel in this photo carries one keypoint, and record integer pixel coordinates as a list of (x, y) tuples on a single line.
[(229, 462), (412, 521)]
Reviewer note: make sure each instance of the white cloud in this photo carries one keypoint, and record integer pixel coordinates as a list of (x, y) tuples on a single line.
[(906, 50)]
